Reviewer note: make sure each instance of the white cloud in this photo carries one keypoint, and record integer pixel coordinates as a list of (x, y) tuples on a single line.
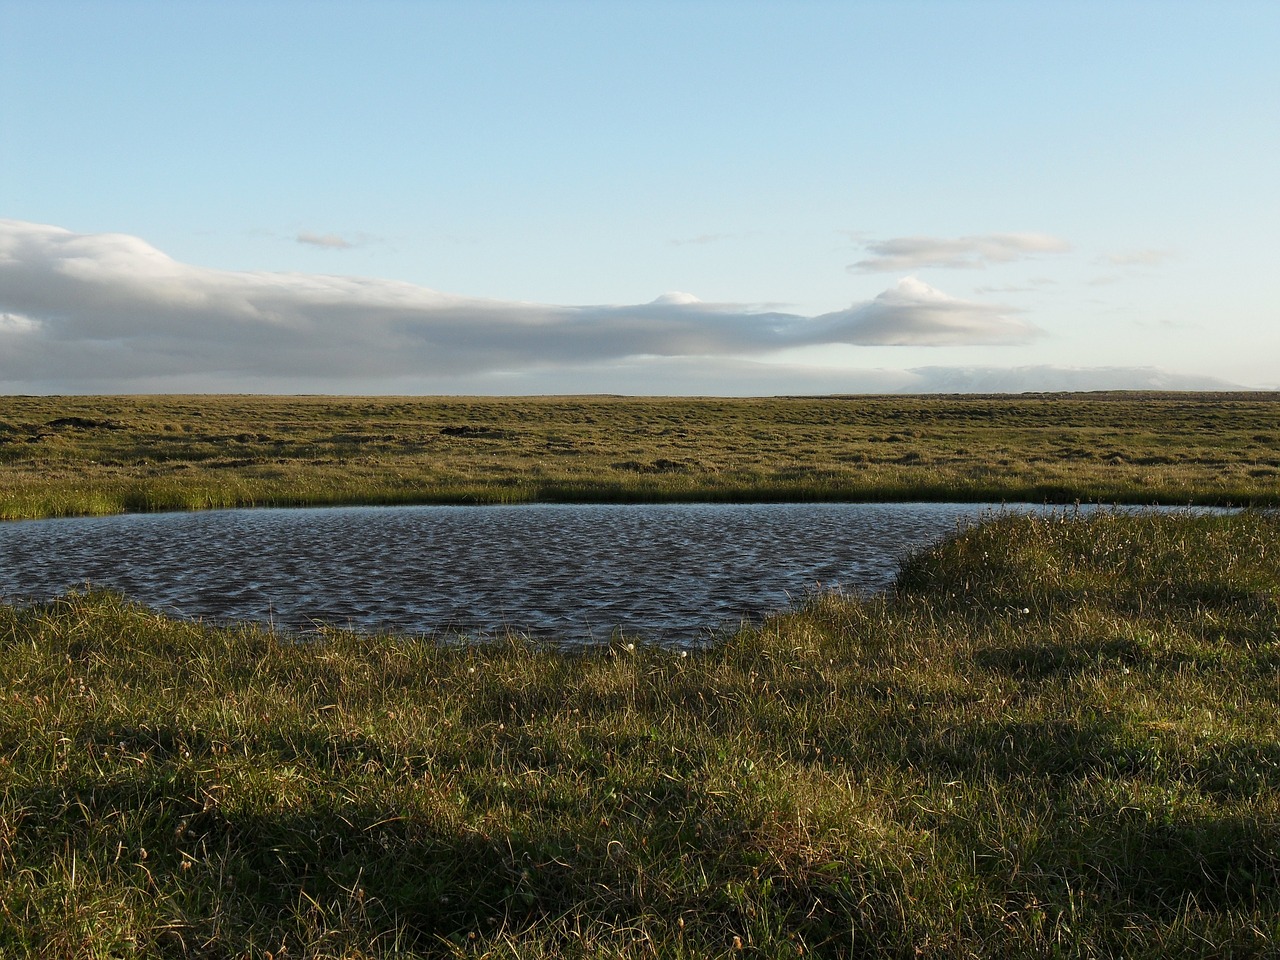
[(1051, 379), (1138, 258), (1032, 285), (15, 323), (912, 253), (328, 241), (700, 239), (107, 307)]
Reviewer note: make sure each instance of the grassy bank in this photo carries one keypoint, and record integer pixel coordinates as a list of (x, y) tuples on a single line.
[(84, 455), (1058, 738)]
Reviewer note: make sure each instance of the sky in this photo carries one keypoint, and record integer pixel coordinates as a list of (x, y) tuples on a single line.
[(647, 197)]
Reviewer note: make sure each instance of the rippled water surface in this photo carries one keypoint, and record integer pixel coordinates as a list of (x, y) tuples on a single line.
[(670, 573)]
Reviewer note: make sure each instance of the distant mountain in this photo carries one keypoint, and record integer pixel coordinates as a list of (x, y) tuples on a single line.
[(1046, 379)]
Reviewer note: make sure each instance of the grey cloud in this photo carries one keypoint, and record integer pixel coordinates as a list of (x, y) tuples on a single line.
[(109, 307), (674, 376), (913, 313), (912, 253)]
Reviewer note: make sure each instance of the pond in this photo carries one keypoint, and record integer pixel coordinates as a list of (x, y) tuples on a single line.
[(674, 574)]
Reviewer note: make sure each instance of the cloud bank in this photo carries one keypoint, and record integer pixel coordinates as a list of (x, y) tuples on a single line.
[(732, 377), (913, 253), (103, 308)]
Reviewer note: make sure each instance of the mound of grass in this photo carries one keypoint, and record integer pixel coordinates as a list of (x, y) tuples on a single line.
[(1058, 737)]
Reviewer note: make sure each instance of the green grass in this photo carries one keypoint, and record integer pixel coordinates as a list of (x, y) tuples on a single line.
[(1058, 738), (86, 455)]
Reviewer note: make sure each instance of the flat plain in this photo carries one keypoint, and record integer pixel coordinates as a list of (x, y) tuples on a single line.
[(1055, 737), (84, 455)]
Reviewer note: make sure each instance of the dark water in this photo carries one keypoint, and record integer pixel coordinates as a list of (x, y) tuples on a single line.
[(671, 573)]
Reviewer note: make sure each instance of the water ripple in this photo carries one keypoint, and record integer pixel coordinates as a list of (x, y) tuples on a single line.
[(668, 573)]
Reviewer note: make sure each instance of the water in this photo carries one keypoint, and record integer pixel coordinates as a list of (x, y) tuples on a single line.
[(678, 574)]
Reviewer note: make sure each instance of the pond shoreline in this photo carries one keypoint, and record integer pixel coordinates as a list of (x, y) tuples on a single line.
[(677, 574)]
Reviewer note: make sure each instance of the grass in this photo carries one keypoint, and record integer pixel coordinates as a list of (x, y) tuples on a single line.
[(1057, 737), (88, 455)]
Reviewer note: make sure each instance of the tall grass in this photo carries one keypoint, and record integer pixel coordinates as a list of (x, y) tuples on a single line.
[(1057, 737)]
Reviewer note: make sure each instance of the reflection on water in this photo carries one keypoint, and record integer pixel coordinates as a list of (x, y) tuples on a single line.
[(670, 573)]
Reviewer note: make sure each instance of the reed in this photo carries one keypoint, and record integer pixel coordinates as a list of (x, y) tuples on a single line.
[(1056, 737)]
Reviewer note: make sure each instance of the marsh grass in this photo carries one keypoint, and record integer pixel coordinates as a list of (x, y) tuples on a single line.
[(1057, 737), (86, 455)]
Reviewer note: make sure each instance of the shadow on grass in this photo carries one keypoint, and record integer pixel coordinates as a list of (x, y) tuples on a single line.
[(1038, 661), (330, 852)]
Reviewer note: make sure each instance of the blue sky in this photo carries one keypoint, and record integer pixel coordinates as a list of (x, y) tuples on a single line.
[(647, 197)]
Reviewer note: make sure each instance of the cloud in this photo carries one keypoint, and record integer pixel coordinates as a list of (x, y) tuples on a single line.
[(692, 376), (1137, 258), (14, 323), (912, 313), (329, 241), (1051, 379), (103, 308), (1031, 286), (702, 238), (912, 253)]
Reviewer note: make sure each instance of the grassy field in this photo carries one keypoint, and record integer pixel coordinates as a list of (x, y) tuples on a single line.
[(83, 455), (1057, 738)]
